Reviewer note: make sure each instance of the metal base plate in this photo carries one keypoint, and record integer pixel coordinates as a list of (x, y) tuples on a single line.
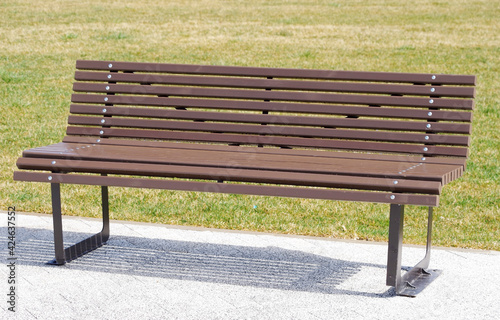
[(54, 263), (420, 280)]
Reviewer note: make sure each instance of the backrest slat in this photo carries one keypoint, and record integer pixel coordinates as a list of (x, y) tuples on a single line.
[(402, 113), (114, 66), (279, 107)]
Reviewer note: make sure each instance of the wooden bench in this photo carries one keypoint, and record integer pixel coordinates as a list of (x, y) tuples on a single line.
[(392, 138)]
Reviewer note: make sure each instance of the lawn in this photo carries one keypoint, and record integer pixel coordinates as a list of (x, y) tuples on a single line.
[(40, 41)]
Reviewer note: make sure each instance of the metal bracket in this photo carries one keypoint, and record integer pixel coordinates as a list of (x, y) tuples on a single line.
[(77, 250), (419, 277)]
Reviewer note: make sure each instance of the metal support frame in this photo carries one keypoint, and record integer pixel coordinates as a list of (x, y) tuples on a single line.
[(63, 255), (416, 279), (410, 284)]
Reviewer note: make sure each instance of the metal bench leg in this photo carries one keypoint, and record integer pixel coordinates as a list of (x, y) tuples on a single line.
[(415, 280), (93, 242)]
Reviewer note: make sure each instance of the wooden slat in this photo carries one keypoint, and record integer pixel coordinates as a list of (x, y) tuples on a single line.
[(228, 174), (251, 150), (352, 111), (270, 140), (275, 72), (234, 82), (282, 130), (293, 192), (274, 95)]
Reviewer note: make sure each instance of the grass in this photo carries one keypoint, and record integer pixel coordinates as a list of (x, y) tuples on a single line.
[(41, 40)]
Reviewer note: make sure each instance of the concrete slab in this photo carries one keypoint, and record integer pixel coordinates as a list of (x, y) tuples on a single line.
[(154, 271)]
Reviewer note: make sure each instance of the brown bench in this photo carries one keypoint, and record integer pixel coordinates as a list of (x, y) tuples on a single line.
[(392, 138)]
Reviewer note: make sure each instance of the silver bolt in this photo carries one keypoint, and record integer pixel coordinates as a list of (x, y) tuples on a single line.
[(107, 87), (109, 76), (426, 137), (433, 89), (429, 114), (426, 149), (423, 159), (98, 140), (103, 121), (110, 65), (104, 110), (428, 126), (106, 99), (396, 182), (393, 197), (101, 132), (53, 162), (433, 77), (431, 101), (50, 178)]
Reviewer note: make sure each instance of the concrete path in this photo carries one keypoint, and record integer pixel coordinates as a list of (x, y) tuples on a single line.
[(149, 271)]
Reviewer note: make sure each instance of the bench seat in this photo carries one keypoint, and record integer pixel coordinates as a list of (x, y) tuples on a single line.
[(409, 182)]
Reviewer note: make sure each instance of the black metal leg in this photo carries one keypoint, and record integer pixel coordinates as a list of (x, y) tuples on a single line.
[(415, 280), (395, 245), (82, 247), (57, 221)]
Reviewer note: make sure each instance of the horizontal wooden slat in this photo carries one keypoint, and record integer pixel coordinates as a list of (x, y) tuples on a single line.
[(275, 72), (293, 192), (270, 140), (251, 150), (274, 84), (314, 97), (351, 111), (228, 174), (281, 130)]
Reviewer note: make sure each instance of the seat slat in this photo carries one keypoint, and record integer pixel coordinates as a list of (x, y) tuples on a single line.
[(275, 72), (233, 82), (228, 174), (315, 97), (283, 130)]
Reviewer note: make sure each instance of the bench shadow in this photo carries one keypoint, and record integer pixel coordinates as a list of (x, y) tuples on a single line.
[(265, 267)]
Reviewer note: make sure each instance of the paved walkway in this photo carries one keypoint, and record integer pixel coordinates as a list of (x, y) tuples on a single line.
[(149, 271)]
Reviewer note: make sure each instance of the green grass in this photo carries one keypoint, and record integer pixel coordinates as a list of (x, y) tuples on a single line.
[(41, 40)]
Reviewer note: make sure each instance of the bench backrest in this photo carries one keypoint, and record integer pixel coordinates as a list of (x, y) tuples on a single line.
[(403, 113)]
